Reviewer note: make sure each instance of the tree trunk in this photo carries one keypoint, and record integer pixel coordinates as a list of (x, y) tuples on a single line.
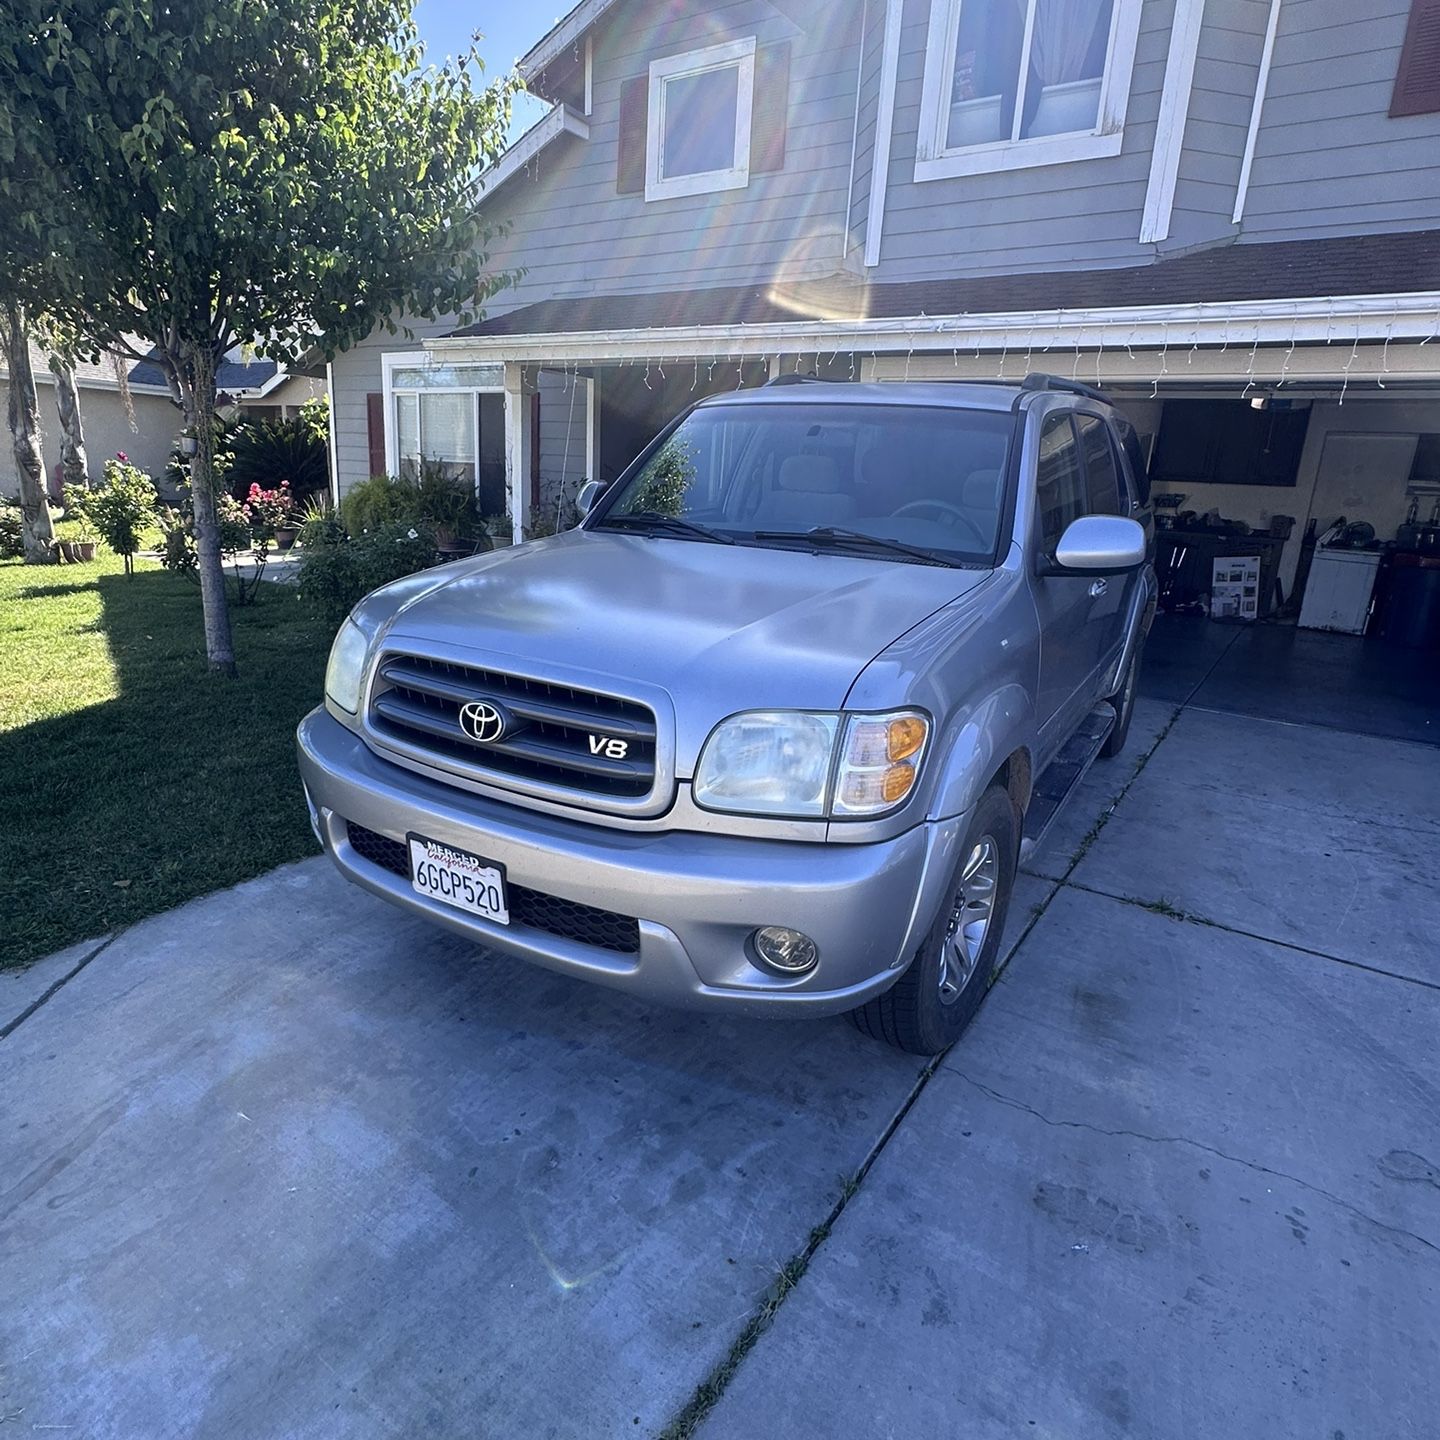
[(37, 532), (73, 460), (196, 372)]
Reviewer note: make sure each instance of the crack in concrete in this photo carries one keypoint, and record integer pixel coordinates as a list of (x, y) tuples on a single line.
[(11, 1026), (707, 1394), (1191, 918), (1255, 1165)]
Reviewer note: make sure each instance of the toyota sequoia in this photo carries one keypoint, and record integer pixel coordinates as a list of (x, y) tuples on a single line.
[(772, 728)]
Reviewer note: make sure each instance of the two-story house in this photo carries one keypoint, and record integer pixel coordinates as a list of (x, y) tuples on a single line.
[(1227, 212)]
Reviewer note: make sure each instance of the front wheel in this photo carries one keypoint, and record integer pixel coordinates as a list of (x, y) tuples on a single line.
[(929, 1006)]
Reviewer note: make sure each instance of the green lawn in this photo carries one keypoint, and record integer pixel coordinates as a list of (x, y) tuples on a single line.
[(130, 778)]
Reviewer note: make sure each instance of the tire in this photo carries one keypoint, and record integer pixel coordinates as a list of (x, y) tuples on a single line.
[(1124, 702), (929, 1006)]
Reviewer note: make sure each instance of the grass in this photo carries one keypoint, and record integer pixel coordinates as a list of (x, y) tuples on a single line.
[(1164, 906), (130, 778)]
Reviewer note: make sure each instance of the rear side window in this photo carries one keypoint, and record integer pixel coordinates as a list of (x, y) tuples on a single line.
[(1059, 480), (1102, 480), (1135, 458)]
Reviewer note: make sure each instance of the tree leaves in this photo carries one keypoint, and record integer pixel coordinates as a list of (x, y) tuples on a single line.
[(288, 175)]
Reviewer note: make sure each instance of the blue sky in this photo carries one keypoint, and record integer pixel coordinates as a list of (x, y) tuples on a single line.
[(510, 28)]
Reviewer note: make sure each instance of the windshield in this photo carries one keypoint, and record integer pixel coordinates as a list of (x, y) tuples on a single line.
[(897, 481)]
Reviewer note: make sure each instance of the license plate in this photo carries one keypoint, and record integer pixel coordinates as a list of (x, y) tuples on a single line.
[(457, 878)]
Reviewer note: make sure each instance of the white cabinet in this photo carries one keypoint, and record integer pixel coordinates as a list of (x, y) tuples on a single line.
[(1337, 594)]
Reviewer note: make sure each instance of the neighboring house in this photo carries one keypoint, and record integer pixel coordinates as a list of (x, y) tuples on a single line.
[(145, 426), (1225, 211), (250, 386)]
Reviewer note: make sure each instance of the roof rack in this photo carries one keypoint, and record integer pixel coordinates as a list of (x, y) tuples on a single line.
[(796, 378), (1039, 380)]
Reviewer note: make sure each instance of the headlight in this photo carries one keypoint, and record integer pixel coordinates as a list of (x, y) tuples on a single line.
[(778, 762), (345, 674), (768, 762)]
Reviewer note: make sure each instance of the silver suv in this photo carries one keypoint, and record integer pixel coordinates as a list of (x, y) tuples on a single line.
[(770, 730)]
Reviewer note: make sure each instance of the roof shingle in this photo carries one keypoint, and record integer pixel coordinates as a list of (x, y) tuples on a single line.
[(1399, 263)]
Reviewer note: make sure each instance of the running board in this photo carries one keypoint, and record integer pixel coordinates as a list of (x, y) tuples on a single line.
[(1058, 780)]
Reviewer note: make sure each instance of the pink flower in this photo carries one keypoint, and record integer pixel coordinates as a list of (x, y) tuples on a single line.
[(122, 457)]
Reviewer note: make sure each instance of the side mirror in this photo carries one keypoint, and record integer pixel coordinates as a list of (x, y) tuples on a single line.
[(1101, 545), (588, 494)]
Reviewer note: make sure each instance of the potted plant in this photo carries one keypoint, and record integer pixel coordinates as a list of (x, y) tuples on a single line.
[(271, 517), (446, 504), (287, 534)]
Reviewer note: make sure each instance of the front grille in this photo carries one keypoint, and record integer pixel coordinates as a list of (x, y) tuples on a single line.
[(554, 735), (584, 924)]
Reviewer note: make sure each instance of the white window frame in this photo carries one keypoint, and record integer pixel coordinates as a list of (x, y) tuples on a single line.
[(737, 54), (410, 359), (936, 160)]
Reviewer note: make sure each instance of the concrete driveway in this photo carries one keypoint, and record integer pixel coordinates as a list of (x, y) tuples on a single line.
[(285, 1162)]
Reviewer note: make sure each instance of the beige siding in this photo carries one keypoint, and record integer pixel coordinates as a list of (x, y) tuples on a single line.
[(107, 429)]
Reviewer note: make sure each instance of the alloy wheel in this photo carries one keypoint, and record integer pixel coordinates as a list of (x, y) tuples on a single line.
[(969, 925)]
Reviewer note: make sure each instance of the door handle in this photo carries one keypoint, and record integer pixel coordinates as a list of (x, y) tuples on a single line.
[(1099, 587)]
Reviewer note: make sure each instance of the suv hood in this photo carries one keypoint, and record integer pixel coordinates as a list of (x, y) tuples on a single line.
[(720, 628)]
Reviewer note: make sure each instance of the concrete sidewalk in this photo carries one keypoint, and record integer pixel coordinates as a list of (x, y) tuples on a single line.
[(286, 1162)]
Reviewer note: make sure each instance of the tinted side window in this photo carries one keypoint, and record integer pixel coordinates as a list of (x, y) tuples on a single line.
[(1059, 480), (1130, 443), (1103, 483)]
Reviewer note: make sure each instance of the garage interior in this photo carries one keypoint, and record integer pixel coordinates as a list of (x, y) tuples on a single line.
[(1298, 548)]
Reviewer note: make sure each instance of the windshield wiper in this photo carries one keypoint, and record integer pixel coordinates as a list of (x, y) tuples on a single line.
[(654, 521), (835, 537)]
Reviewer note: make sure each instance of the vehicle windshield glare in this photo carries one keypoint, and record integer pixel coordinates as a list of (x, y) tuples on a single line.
[(928, 478)]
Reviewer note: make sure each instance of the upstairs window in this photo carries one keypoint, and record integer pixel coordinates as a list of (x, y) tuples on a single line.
[(697, 137), (1016, 83)]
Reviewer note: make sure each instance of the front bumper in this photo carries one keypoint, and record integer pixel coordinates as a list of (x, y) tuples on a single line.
[(697, 897)]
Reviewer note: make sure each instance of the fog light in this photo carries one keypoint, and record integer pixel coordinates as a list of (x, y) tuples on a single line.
[(788, 951)]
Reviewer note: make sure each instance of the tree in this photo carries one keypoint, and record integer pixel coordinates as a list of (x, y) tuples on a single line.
[(280, 175), (37, 532)]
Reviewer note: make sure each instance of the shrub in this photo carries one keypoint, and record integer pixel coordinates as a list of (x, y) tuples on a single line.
[(380, 501), (12, 543), (120, 510), (339, 571), (271, 454), (320, 523), (446, 501)]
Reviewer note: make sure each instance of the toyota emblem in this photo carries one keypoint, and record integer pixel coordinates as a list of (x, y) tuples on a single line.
[(482, 722)]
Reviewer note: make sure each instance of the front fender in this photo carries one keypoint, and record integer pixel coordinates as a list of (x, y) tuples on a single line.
[(973, 666), (978, 744)]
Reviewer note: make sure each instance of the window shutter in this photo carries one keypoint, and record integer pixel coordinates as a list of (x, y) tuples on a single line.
[(772, 108), (1417, 82), (634, 116), (375, 428)]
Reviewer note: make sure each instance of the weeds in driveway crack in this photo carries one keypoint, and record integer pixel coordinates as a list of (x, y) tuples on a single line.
[(1163, 906), (708, 1392), (1255, 1165)]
